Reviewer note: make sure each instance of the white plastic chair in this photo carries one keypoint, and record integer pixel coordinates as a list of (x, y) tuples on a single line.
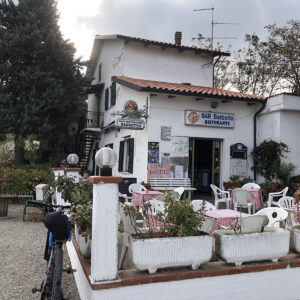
[(251, 186), (125, 197), (136, 187), (179, 190), (220, 196), (286, 203), (275, 215), (208, 224), (253, 223), (197, 204), (156, 206), (240, 199), (276, 195)]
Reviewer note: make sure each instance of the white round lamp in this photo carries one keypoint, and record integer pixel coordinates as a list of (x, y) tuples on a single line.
[(73, 159), (105, 159)]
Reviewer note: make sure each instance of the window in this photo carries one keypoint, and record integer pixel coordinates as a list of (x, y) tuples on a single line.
[(126, 154), (99, 72), (111, 146), (106, 98), (113, 94)]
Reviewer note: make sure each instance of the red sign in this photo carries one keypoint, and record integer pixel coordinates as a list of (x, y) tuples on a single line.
[(158, 171)]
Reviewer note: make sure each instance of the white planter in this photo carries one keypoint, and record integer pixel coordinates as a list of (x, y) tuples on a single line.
[(84, 243), (152, 254), (295, 239), (238, 248)]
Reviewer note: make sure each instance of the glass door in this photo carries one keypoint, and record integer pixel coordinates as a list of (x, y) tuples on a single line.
[(216, 154)]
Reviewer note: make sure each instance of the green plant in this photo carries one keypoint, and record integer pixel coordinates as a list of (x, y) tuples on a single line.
[(178, 218), (81, 209), (31, 149), (7, 156), (267, 158), (285, 172), (238, 181), (65, 185), (22, 180), (2, 136)]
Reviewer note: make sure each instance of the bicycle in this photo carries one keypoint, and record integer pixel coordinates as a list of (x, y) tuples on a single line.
[(59, 231)]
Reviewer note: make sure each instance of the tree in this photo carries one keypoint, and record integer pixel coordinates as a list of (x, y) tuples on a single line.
[(40, 80), (265, 67)]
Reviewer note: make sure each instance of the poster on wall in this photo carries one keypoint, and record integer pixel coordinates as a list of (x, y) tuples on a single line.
[(153, 152), (165, 132), (180, 156), (238, 167), (158, 171), (165, 158)]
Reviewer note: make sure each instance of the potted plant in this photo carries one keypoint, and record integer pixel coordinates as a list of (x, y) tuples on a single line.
[(239, 246), (81, 216), (295, 229), (179, 241)]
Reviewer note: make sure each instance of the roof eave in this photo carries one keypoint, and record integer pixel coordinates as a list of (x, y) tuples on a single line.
[(194, 94)]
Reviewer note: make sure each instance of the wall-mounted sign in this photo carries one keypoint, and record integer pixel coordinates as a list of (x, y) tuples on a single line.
[(158, 170), (130, 107), (212, 119), (153, 152), (238, 150), (165, 132), (130, 123)]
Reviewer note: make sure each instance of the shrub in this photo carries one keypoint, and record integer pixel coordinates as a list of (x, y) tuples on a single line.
[(2, 137), (7, 156), (22, 180)]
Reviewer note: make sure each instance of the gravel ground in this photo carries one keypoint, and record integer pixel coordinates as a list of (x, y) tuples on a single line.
[(22, 266)]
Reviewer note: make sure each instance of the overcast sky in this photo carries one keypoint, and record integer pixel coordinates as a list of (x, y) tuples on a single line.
[(159, 19)]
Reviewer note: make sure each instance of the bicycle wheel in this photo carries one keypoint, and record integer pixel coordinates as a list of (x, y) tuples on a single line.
[(57, 273)]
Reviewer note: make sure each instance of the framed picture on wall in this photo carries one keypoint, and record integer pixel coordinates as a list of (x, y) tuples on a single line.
[(165, 132)]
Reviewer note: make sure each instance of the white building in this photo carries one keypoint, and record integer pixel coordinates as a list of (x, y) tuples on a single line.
[(189, 126), (279, 121)]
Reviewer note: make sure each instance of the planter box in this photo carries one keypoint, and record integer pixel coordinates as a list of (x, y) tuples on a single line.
[(83, 243), (295, 239), (152, 254), (238, 248)]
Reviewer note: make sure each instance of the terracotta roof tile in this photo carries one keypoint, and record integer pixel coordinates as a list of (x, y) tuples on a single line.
[(171, 45), (183, 89)]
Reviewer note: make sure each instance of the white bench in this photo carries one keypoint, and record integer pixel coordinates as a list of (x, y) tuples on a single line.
[(162, 184)]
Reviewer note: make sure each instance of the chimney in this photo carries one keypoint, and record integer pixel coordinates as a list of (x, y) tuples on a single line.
[(178, 36)]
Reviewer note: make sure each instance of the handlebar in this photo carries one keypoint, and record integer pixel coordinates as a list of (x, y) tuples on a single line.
[(48, 205)]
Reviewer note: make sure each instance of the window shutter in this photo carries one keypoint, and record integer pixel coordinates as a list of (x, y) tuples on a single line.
[(99, 72), (121, 156), (131, 155), (113, 94), (106, 98)]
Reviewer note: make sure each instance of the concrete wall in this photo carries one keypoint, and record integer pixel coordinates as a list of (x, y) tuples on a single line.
[(154, 63), (275, 285)]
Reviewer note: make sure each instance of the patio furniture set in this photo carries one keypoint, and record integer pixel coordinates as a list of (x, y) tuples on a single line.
[(240, 237)]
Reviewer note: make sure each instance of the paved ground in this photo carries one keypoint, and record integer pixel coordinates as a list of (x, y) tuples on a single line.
[(22, 266)]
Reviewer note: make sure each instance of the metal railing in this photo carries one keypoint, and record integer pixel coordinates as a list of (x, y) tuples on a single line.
[(93, 119)]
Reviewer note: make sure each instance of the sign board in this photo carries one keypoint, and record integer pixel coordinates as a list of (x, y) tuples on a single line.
[(238, 150), (212, 119), (131, 123), (238, 167), (158, 171)]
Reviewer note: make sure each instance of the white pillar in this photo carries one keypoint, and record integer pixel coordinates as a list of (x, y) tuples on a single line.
[(58, 172), (104, 256), (74, 173)]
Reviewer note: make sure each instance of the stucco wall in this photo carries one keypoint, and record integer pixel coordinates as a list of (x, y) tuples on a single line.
[(170, 65), (280, 122)]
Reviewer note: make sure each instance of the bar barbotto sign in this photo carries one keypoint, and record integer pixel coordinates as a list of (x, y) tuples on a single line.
[(204, 118)]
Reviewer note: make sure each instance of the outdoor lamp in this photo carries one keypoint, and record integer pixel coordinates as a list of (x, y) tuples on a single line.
[(72, 159), (105, 159)]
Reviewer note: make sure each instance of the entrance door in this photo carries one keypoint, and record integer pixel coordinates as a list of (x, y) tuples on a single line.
[(204, 163)]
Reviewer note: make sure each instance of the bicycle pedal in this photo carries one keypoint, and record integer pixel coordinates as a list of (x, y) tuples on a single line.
[(34, 290), (70, 270)]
